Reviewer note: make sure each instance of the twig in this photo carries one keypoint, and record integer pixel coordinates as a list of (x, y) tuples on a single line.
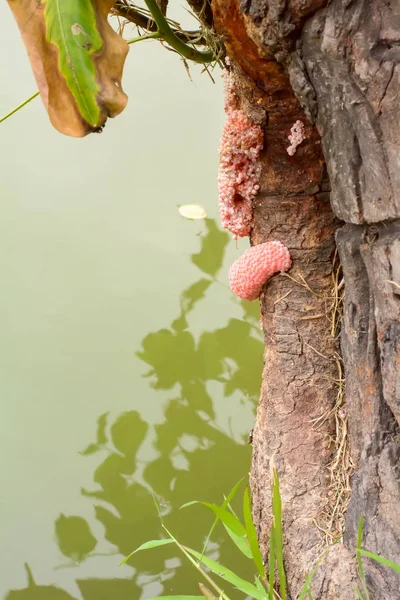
[(145, 21), (316, 351), (303, 283), (146, 36), (166, 33), (283, 297), (17, 108)]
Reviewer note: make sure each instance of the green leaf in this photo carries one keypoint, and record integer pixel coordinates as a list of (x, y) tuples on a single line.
[(252, 534), (77, 59), (277, 531), (71, 27), (380, 559), (240, 542), (227, 575), (224, 505), (230, 521), (147, 546), (227, 518)]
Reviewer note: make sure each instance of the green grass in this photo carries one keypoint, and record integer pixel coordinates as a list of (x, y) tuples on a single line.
[(242, 532)]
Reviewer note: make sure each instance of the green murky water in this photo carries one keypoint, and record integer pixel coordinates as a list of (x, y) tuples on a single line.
[(128, 369)]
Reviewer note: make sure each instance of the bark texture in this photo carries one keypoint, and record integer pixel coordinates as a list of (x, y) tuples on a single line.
[(335, 66)]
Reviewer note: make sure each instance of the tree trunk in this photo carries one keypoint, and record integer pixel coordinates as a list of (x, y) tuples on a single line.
[(334, 66)]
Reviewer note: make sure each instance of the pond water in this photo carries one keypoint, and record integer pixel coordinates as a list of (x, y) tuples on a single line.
[(128, 369)]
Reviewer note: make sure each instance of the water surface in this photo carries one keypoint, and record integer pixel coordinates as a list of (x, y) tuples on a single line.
[(128, 369)]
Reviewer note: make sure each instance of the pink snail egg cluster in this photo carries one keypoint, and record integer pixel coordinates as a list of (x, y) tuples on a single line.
[(239, 171), (295, 138), (250, 271)]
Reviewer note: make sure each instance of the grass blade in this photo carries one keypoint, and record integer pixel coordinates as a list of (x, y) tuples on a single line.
[(224, 505), (359, 594), (185, 551), (272, 559), (146, 546), (240, 543), (383, 561), (259, 585), (227, 575), (359, 558), (252, 534), (306, 587), (227, 518), (278, 533), (187, 504)]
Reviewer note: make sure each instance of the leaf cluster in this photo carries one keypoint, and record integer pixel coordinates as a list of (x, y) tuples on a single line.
[(269, 585)]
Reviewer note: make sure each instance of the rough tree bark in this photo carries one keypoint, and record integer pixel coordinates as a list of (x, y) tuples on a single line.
[(335, 66)]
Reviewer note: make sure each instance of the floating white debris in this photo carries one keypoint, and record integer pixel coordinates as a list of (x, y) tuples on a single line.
[(192, 211)]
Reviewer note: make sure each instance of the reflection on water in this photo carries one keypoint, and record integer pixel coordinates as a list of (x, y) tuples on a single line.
[(193, 457), (38, 592)]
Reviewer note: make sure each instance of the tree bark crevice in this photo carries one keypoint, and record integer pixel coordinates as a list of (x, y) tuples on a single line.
[(337, 63), (371, 354)]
